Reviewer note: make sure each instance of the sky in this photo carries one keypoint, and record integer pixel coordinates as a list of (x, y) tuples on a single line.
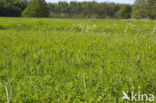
[(116, 1)]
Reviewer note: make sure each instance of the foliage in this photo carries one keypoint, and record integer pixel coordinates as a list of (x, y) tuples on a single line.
[(36, 8), (125, 12), (84, 9), (140, 9), (39, 8), (152, 8), (11, 8), (144, 9)]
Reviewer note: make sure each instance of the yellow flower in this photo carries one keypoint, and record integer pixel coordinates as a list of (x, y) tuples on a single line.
[(127, 91), (133, 87), (139, 87)]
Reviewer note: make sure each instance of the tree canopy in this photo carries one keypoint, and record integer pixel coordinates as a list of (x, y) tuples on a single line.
[(144, 9), (152, 8), (39, 8), (36, 8), (12, 7)]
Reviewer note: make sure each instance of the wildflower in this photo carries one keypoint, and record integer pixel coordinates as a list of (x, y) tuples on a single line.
[(94, 26), (133, 87), (139, 87)]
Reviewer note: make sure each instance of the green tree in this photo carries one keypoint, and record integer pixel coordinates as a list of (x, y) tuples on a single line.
[(75, 8), (11, 8), (85, 9), (152, 9), (139, 9), (102, 9), (36, 8), (125, 12), (62, 7)]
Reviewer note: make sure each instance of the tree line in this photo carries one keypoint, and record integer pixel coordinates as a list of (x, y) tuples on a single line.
[(39, 8), (86, 9), (12, 8)]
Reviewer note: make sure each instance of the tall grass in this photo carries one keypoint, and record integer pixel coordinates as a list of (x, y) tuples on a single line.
[(63, 60)]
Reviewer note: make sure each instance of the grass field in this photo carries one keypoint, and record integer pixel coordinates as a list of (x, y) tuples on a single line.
[(73, 61)]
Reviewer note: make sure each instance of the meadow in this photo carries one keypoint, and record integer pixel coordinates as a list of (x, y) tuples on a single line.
[(45, 60)]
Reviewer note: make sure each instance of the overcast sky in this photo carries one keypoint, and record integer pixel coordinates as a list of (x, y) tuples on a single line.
[(117, 1)]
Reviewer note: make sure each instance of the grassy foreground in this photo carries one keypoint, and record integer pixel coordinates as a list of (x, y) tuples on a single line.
[(72, 61)]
